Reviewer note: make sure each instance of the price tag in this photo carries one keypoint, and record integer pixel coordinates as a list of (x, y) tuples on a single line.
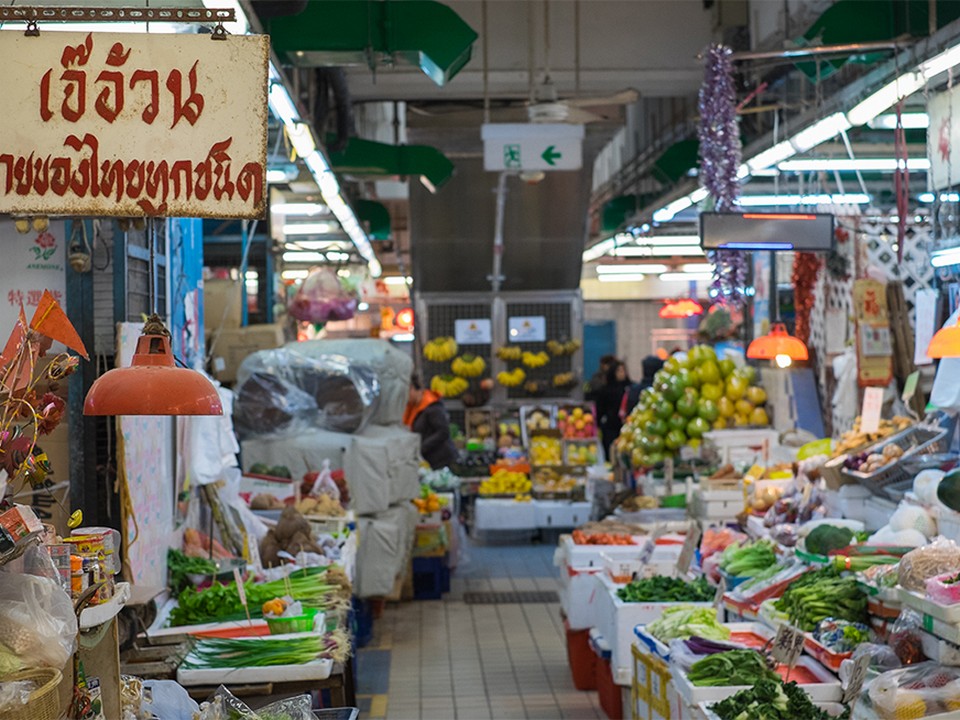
[(647, 551), (721, 591), (241, 592), (857, 676), (870, 413), (668, 474), (787, 645), (689, 548), (910, 387)]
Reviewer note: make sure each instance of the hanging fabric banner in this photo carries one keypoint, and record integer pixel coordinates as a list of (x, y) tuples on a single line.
[(874, 350)]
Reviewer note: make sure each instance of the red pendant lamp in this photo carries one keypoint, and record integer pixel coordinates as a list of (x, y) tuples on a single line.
[(945, 342), (153, 384), (680, 309), (778, 345)]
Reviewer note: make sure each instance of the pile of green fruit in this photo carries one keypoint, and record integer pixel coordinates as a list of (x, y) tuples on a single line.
[(689, 398)]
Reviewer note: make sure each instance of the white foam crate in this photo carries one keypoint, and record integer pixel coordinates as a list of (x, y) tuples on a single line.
[(647, 643), (742, 446), (578, 596), (560, 513), (947, 614), (616, 620), (877, 512), (580, 556), (948, 524), (496, 514), (940, 651), (827, 690)]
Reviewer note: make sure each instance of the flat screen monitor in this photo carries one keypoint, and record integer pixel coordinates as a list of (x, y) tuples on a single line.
[(809, 232)]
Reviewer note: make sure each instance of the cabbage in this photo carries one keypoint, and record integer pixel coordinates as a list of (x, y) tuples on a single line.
[(684, 621)]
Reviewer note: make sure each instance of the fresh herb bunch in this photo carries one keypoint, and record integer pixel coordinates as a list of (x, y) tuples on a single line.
[(734, 667), (179, 566), (660, 588), (821, 594), (771, 700), (749, 559)]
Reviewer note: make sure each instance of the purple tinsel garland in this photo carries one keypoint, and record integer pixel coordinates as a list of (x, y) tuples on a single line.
[(719, 159)]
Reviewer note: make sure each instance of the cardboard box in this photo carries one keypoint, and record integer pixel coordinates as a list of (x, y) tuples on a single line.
[(222, 304), (233, 346)]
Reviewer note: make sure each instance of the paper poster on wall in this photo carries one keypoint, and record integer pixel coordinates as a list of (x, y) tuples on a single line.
[(527, 329), (32, 262), (925, 319), (472, 332)]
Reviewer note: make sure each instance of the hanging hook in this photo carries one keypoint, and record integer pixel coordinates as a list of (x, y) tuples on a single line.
[(219, 32), (33, 30)]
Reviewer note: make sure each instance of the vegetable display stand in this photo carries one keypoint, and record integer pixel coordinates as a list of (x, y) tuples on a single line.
[(811, 676), (581, 658), (608, 691)]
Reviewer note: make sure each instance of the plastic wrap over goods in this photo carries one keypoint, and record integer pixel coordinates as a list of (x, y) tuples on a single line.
[(282, 392)]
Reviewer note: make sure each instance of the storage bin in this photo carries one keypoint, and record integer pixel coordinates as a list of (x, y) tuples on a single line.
[(608, 692), (428, 578), (581, 658)]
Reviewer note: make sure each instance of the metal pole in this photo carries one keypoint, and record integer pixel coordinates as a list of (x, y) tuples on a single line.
[(844, 49), (496, 279)]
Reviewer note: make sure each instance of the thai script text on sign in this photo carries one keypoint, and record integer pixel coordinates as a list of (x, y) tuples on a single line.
[(130, 125)]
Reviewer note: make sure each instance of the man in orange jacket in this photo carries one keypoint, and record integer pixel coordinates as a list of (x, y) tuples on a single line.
[(427, 417)]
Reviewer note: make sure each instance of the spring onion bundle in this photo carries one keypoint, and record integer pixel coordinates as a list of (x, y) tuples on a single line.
[(312, 587), (733, 667), (210, 653), (822, 594)]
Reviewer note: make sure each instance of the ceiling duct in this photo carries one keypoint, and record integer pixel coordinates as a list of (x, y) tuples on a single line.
[(424, 33), (368, 158)]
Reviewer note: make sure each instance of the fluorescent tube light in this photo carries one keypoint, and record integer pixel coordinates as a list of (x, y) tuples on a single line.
[(318, 228), (658, 251), (631, 277), (697, 268), (307, 209), (699, 195), (603, 247), (851, 165), (282, 104), (653, 269), (821, 131), (885, 98), (943, 258), (816, 199), (911, 121), (928, 197), (398, 280), (685, 276), (771, 156), (941, 63), (316, 245), (294, 274), (301, 138), (668, 240), (402, 337), (299, 256), (668, 212)]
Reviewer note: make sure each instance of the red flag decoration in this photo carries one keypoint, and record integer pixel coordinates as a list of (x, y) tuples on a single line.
[(10, 351), (52, 321)]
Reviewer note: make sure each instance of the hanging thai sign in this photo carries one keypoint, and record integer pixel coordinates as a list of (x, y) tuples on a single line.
[(132, 125), (874, 348), (943, 139)]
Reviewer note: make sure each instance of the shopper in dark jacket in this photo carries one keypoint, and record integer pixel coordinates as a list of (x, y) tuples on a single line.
[(599, 379), (427, 417), (651, 366), (608, 401)]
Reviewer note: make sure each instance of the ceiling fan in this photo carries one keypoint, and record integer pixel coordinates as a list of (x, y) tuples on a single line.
[(545, 106)]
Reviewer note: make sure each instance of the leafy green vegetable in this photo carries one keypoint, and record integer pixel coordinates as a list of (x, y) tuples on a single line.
[(179, 566), (667, 589), (824, 538), (734, 667), (771, 700), (821, 594), (749, 559), (261, 652), (222, 602), (683, 621)]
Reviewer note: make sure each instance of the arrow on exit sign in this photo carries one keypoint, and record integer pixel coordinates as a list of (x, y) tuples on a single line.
[(532, 146)]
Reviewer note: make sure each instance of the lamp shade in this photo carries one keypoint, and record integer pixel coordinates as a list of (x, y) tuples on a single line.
[(684, 308), (153, 384), (777, 342), (945, 343)]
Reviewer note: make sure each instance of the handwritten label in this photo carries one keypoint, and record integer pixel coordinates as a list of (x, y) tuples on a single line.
[(689, 548), (787, 645), (910, 387), (648, 547), (721, 591), (872, 406), (857, 676), (241, 590)]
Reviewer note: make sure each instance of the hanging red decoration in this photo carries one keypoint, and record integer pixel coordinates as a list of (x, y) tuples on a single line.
[(806, 268), (678, 309)]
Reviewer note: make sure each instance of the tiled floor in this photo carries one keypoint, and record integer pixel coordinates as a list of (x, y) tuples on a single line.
[(452, 661)]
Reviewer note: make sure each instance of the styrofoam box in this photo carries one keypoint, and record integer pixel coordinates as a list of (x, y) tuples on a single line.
[(717, 504), (853, 502), (741, 446), (616, 620), (832, 503), (948, 524), (578, 596), (948, 614), (828, 690), (560, 513), (877, 512), (649, 644), (834, 709), (940, 651), (580, 556), (495, 514)]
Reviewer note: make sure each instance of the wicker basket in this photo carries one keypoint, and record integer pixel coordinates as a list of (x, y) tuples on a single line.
[(44, 702), (916, 440)]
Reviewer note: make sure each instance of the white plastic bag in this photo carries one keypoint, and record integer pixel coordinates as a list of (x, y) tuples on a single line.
[(37, 621), (325, 484)]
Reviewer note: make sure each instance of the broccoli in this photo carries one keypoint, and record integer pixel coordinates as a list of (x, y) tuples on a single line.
[(824, 538)]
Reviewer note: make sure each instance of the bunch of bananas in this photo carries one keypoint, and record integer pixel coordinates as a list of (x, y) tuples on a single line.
[(534, 388), (558, 349), (448, 386), (506, 482), (535, 360), (509, 352), (468, 366), (440, 349), (564, 380), (512, 378)]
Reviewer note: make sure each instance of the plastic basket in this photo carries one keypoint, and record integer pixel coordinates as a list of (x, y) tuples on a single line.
[(299, 623), (340, 713), (44, 702), (916, 440)]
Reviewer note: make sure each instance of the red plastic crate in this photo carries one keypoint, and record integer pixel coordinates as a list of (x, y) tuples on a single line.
[(611, 698), (581, 658)]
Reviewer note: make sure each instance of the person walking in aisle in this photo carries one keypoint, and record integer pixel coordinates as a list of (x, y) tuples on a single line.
[(426, 416), (599, 378), (651, 366), (608, 402)]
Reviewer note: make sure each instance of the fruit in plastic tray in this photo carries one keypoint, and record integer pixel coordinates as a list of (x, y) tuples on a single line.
[(545, 451)]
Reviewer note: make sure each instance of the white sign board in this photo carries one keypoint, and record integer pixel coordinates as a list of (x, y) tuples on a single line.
[(32, 262), (532, 146), (133, 125), (472, 332), (943, 139), (527, 329)]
